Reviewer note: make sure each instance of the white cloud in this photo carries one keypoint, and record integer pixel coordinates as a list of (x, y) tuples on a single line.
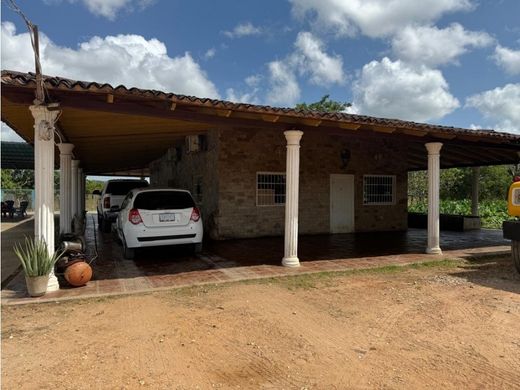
[(374, 18), (399, 90), (308, 59), (432, 46), (500, 105), (311, 58), (242, 97), (243, 30), (253, 80), (131, 60), (210, 53), (507, 59), (285, 90), (107, 8), (9, 134)]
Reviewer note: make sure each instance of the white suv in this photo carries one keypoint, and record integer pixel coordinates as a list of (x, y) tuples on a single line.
[(111, 198), (156, 217)]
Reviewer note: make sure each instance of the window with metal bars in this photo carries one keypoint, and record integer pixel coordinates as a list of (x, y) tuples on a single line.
[(270, 189), (378, 189)]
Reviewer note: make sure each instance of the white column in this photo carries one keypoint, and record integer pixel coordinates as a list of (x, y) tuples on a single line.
[(74, 187), (475, 189), (44, 180), (83, 203), (434, 149), (80, 194), (292, 180), (65, 187)]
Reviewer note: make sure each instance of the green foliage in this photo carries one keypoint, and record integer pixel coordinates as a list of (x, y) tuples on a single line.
[(492, 212), (92, 185), (22, 179), (455, 183), (325, 104), (17, 178), (35, 258)]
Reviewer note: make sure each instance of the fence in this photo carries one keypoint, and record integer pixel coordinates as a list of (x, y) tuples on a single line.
[(20, 195)]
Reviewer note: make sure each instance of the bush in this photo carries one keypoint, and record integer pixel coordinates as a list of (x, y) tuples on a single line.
[(492, 212)]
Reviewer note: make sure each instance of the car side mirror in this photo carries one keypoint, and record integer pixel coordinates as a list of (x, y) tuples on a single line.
[(115, 209), (96, 192)]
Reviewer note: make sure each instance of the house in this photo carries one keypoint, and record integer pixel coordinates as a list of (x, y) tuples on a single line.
[(256, 170)]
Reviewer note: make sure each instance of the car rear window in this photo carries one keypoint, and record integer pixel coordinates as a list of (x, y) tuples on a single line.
[(123, 187), (163, 200)]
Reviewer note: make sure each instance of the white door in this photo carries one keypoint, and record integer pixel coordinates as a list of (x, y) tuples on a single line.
[(341, 203)]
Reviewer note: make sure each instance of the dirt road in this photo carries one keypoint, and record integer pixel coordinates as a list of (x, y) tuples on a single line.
[(451, 326)]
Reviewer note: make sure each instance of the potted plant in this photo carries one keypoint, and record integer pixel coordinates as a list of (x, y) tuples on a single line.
[(37, 264)]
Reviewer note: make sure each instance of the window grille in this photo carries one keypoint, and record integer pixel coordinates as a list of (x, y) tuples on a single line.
[(270, 189), (378, 190)]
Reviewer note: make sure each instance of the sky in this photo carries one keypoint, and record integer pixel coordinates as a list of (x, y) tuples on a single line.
[(449, 62)]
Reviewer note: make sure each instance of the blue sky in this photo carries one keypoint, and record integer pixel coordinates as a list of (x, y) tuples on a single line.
[(452, 62)]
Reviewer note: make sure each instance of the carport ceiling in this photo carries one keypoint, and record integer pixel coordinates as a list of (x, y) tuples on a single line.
[(121, 129)]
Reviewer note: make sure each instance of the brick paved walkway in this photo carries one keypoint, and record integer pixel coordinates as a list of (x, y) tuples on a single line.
[(235, 260)]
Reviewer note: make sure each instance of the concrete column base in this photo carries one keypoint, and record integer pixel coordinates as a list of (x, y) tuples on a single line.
[(53, 284), (292, 262), (434, 251)]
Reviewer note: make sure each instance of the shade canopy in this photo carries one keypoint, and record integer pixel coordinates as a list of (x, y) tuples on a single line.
[(117, 130), (17, 155)]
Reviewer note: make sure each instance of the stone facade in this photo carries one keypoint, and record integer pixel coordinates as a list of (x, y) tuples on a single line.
[(230, 165), (194, 171)]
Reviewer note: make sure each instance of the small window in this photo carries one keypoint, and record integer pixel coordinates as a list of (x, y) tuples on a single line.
[(378, 190), (270, 189)]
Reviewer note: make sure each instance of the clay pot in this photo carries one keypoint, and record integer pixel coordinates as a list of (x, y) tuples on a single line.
[(36, 285), (78, 273)]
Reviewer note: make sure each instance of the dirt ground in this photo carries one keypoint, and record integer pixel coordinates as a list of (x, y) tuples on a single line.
[(453, 325)]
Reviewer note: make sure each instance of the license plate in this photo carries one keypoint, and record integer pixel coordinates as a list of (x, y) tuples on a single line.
[(166, 217)]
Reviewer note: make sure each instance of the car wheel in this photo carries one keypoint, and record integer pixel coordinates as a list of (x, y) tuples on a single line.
[(128, 253), (106, 226), (197, 248), (515, 252)]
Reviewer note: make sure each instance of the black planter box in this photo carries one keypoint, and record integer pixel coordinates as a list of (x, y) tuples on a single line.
[(451, 222)]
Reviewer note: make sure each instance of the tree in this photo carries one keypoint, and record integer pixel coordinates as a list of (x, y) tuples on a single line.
[(17, 178), (325, 104), (92, 185)]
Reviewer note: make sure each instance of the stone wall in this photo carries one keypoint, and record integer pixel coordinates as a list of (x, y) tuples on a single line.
[(244, 153), (196, 172)]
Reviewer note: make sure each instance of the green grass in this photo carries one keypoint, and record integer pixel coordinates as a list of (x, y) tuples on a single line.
[(325, 278), (492, 212)]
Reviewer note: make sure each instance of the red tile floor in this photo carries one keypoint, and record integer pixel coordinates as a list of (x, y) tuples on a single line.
[(233, 260)]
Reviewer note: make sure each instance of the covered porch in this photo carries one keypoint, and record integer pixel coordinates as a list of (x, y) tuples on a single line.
[(245, 259)]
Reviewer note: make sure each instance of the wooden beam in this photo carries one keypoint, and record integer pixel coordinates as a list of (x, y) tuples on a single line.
[(270, 118), (224, 113), (310, 122), (414, 132), (384, 129), (349, 126), (443, 135)]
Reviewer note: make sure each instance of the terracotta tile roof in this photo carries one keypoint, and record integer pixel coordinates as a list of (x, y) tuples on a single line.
[(13, 78)]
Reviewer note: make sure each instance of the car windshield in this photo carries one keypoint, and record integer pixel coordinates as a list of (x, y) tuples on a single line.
[(123, 187), (163, 200)]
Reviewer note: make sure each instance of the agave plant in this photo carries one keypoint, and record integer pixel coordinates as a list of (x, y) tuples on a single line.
[(35, 258)]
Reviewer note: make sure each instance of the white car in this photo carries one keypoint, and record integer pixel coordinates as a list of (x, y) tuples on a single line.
[(156, 217), (110, 198)]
